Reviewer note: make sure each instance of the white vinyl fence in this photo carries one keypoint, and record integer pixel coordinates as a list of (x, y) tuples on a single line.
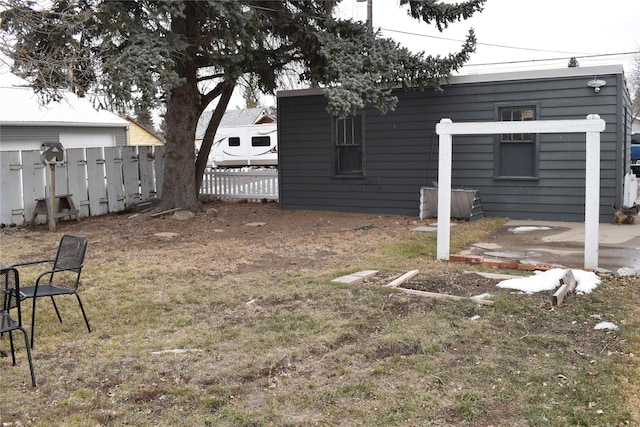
[(111, 179), (99, 180), (227, 184)]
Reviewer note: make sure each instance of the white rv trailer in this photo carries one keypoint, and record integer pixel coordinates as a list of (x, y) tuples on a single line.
[(251, 145)]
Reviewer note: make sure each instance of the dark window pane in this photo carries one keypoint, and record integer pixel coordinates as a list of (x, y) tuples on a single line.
[(357, 131), (260, 141), (516, 116), (234, 141), (348, 142), (517, 150), (516, 159), (349, 160), (340, 130)]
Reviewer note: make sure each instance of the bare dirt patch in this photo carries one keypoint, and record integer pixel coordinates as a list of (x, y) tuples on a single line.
[(250, 237), (244, 238), (459, 283)]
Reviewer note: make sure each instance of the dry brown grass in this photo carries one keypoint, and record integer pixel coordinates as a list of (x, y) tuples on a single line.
[(243, 327)]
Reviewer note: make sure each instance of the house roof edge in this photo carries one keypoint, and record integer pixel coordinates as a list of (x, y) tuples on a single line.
[(538, 74), (61, 124), (497, 77)]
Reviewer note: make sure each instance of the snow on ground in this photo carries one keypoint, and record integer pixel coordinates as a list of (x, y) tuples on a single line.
[(526, 229), (606, 326), (550, 280), (587, 282)]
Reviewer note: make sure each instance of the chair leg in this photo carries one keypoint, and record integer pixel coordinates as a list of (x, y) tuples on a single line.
[(26, 342), (2, 352), (83, 313), (33, 321), (56, 307), (13, 350)]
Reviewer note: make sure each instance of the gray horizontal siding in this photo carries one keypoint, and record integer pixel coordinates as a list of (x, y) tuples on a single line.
[(30, 134), (52, 133), (401, 151)]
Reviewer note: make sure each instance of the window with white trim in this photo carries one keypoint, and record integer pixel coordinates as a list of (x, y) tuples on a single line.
[(348, 142), (517, 152)]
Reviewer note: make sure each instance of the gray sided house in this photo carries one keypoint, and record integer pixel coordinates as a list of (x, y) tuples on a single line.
[(374, 163), (25, 124)]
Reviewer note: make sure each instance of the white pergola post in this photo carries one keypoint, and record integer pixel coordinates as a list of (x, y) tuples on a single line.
[(445, 144), (592, 197), (592, 126)]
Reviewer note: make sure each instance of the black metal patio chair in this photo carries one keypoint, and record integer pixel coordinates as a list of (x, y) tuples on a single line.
[(9, 297), (62, 279)]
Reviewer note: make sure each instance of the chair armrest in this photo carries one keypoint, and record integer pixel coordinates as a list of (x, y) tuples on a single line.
[(21, 295), (57, 270), (12, 294), (23, 264)]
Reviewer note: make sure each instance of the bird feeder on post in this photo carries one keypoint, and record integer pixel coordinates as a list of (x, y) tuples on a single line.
[(52, 153)]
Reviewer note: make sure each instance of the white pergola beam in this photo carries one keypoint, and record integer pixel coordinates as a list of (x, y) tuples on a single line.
[(592, 127)]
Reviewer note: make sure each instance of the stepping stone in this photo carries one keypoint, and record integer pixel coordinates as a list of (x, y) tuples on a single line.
[(183, 215), (166, 234), (355, 278)]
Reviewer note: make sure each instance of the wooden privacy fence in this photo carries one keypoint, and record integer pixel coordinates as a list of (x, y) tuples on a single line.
[(252, 185), (99, 180)]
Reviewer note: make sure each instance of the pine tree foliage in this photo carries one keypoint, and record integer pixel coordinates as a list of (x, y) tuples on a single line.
[(187, 55)]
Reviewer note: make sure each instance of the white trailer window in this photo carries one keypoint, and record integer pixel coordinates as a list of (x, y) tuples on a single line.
[(260, 141)]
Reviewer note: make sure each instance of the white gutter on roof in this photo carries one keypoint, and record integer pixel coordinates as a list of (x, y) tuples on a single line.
[(497, 77), (73, 124), (539, 74)]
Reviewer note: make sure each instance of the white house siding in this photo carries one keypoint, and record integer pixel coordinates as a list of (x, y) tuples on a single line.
[(15, 138), (87, 139)]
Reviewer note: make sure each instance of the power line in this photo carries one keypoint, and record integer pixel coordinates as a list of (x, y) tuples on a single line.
[(485, 44), (603, 55)]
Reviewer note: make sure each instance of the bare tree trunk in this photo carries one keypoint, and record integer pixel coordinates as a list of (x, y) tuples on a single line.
[(179, 189), (212, 127)]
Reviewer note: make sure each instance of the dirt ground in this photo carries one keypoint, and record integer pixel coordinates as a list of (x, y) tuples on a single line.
[(259, 236)]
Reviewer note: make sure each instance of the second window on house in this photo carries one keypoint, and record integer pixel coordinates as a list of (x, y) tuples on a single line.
[(517, 152), (348, 140)]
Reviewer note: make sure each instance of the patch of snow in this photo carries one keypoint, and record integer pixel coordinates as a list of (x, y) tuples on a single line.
[(482, 296), (526, 229), (550, 280), (606, 325), (587, 281)]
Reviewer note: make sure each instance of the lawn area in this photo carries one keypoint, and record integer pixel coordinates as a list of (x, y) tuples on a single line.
[(234, 321)]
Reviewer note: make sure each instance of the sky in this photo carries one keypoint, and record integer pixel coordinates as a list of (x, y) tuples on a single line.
[(513, 35), (518, 35)]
